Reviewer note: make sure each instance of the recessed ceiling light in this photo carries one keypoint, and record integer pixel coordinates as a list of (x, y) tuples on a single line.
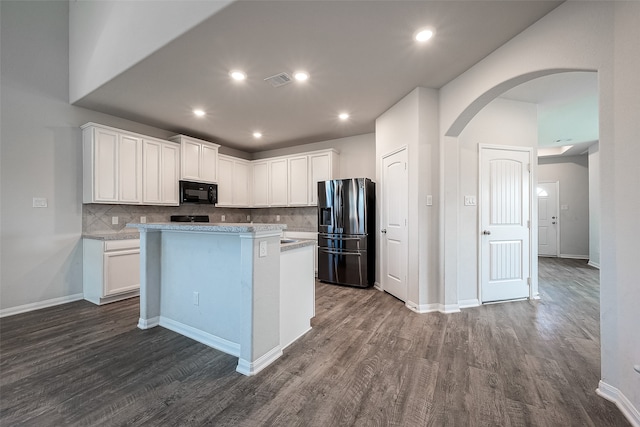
[(199, 113), (343, 116), (257, 135), (424, 35), (301, 76), (238, 75)]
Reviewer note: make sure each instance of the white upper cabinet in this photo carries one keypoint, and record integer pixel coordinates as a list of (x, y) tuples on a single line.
[(298, 181), (199, 159), (323, 166), (160, 165), (233, 181), (278, 182), (260, 183), (112, 166)]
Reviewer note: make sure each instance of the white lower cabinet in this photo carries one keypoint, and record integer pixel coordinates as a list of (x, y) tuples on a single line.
[(110, 270)]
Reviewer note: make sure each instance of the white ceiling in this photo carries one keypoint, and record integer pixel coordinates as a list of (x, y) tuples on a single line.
[(567, 109), (360, 54)]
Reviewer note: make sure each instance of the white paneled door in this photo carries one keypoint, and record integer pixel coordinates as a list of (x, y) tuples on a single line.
[(548, 223), (505, 223), (394, 224)]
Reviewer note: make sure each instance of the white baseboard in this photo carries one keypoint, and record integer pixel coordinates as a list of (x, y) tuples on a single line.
[(430, 308), (574, 256), (205, 338), (614, 395), (148, 323), (251, 368), (40, 304), (594, 264), (468, 303), (377, 286)]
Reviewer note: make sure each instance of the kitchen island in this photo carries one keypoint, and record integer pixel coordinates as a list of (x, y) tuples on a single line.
[(219, 284)]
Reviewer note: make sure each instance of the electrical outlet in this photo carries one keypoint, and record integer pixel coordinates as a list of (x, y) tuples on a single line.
[(248, 217), (278, 218), (223, 218), (196, 298), (143, 220), (263, 249), (114, 220), (39, 202)]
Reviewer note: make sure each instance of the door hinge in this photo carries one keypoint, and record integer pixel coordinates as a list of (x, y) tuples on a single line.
[(528, 167), (528, 224), (405, 166), (529, 281)]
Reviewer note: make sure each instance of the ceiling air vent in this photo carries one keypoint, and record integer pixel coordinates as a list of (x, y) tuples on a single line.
[(279, 80)]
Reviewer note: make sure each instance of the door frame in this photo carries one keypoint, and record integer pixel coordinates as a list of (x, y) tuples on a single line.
[(533, 220), (557, 185), (382, 245)]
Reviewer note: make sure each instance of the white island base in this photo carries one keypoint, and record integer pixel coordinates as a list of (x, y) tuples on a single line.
[(220, 284)]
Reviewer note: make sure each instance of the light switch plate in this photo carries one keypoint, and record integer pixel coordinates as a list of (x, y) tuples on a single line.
[(263, 249), (429, 200), (470, 201), (278, 218), (196, 298), (114, 220), (223, 218), (39, 202), (143, 220)]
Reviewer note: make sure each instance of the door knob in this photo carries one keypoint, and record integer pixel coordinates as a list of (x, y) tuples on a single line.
[(383, 231), (553, 222), (553, 217), (486, 232)]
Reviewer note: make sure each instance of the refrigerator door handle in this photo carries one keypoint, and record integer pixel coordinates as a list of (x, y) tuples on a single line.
[(339, 252)]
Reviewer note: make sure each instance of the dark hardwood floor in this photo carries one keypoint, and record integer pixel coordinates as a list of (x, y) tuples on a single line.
[(367, 362)]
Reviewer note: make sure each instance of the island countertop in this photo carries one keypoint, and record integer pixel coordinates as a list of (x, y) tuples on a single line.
[(221, 227)]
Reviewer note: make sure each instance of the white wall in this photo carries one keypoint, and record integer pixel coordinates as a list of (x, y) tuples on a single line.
[(596, 36), (594, 205), (412, 123), (40, 156), (502, 122), (357, 154), (107, 37), (573, 175)]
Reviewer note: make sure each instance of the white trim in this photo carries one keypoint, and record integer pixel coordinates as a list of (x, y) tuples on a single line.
[(430, 308), (594, 264), (40, 304), (251, 368), (614, 395), (148, 323), (378, 286), (569, 256), (468, 303), (205, 338)]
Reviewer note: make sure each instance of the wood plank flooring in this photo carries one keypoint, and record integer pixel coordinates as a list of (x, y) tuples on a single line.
[(367, 362)]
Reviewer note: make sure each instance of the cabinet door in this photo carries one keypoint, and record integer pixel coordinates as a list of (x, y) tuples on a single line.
[(298, 181), (209, 165), (130, 169), (241, 184), (278, 183), (190, 160), (121, 271), (319, 170), (105, 161), (225, 181), (261, 184), (151, 168), (169, 174)]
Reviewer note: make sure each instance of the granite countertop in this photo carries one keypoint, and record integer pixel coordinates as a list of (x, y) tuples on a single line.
[(299, 243), (123, 235), (222, 227)]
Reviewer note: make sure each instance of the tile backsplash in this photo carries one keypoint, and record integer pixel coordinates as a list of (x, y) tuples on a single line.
[(97, 218)]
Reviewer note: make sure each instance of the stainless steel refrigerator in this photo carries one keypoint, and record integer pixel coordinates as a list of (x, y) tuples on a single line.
[(346, 237)]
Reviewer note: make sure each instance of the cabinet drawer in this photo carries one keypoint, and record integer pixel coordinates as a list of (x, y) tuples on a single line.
[(116, 245)]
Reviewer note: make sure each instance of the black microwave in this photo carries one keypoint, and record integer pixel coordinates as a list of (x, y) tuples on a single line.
[(198, 192)]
